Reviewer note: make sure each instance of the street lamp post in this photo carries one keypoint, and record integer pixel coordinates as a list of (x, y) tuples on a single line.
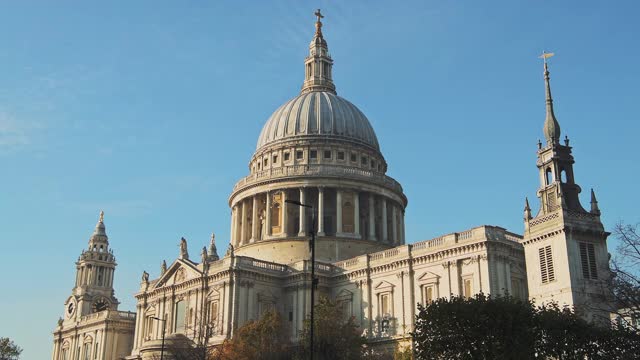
[(164, 323), (314, 281)]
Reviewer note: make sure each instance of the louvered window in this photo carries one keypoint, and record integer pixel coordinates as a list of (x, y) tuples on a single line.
[(588, 257), (546, 264)]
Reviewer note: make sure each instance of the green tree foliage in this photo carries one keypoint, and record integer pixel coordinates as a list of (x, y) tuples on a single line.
[(9, 350), (336, 336), (265, 339), (506, 328)]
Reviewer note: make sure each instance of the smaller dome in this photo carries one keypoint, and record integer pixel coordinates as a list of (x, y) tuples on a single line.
[(318, 114)]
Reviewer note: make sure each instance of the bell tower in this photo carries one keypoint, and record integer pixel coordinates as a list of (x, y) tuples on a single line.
[(92, 327), (565, 245), (93, 290)]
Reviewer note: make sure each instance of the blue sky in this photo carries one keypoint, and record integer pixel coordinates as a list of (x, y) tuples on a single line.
[(150, 111)]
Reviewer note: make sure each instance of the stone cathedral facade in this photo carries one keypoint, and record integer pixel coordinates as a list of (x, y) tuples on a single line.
[(319, 149)]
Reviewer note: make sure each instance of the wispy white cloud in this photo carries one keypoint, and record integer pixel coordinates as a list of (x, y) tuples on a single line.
[(15, 134)]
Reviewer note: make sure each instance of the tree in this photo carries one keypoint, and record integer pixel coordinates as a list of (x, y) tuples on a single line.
[(475, 328), (625, 266), (9, 350), (506, 328), (266, 338), (336, 335)]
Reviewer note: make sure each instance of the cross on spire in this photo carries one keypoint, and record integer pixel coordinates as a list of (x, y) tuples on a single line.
[(318, 14)]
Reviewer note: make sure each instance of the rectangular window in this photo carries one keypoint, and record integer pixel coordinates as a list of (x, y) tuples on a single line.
[(275, 159), (385, 304), (428, 295), (87, 351), (286, 156), (266, 162), (327, 154), (313, 154), (354, 157), (213, 311), (180, 314), (345, 308), (546, 264), (373, 164), (340, 155), (364, 160), (299, 155), (588, 257), (468, 288)]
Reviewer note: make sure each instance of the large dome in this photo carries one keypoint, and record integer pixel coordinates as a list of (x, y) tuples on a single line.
[(318, 114), (320, 151)]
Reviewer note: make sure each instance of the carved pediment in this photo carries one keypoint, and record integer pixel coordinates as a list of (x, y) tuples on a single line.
[(266, 296), (180, 271), (429, 277), (150, 310), (384, 285), (214, 294), (344, 294)]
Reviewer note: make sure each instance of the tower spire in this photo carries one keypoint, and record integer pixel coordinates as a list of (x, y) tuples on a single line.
[(527, 209), (318, 65), (594, 204), (551, 126)]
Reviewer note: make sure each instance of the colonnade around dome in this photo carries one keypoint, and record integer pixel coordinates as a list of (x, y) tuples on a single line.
[(335, 212)]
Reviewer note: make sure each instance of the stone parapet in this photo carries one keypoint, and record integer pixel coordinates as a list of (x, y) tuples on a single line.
[(337, 171)]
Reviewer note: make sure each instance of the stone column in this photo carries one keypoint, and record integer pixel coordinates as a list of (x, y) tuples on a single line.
[(232, 235), (394, 224), (356, 214), (372, 217), (303, 214), (285, 220), (267, 216), (243, 223), (254, 220), (402, 238), (339, 212), (320, 211), (385, 235)]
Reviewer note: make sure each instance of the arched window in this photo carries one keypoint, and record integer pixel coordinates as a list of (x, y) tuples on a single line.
[(548, 176), (563, 176), (180, 314)]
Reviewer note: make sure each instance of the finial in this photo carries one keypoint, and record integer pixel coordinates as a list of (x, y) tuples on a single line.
[(594, 204), (539, 144), (551, 127), (101, 219), (213, 251), (163, 267), (566, 140), (527, 209)]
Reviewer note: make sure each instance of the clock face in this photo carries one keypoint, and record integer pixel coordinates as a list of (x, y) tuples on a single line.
[(100, 305), (71, 308)]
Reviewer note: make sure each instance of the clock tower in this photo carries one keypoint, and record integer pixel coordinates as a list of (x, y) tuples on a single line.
[(92, 326), (93, 290)]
